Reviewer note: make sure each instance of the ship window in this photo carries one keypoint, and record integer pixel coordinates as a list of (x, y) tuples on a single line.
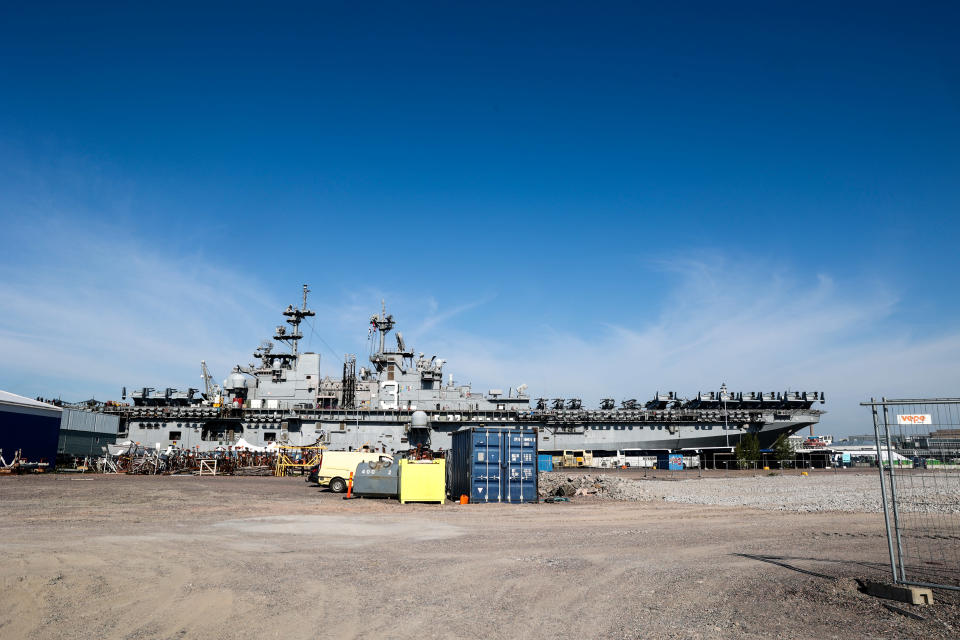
[(308, 377), (269, 437), (390, 372), (175, 435)]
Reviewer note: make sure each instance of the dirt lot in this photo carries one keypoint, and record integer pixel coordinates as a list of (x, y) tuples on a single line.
[(185, 557)]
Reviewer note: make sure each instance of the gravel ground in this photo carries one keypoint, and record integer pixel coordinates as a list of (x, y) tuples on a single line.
[(857, 492), (130, 557)]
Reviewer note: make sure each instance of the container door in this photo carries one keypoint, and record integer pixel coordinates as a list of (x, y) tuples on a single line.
[(520, 467), (485, 466)]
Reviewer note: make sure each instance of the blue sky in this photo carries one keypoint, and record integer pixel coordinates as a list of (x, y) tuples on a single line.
[(596, 201)]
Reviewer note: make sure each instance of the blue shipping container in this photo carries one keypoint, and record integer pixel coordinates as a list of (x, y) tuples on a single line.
[(495, 464), (670, 461), (544, 462)]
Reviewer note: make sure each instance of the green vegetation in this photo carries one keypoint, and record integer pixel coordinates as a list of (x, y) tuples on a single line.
[(747, 451), (783, 449)]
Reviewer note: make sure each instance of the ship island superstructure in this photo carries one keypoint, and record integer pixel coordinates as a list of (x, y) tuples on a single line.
[(401, 401)]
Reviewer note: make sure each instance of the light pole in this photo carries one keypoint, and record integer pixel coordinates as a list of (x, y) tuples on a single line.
[(726, 423)]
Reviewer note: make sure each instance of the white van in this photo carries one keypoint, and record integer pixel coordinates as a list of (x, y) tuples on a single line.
[(336, 466)]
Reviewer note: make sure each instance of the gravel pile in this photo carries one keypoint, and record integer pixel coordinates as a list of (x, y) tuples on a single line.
[(600, 486), (826, 491)]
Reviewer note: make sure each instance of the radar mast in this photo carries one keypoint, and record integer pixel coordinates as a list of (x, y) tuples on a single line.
[(383, 324), (294, 318)]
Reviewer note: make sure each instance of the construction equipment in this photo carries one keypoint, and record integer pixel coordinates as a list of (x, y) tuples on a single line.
[(577, 458)]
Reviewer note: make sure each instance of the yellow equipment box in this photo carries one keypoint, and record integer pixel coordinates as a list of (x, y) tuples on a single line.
[(423, 481)]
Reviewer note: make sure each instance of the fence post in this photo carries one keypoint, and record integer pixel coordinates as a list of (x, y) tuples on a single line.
[(883, 492), (893, 493)]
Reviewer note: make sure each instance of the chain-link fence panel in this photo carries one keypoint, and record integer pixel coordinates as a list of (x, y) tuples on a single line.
[(918, 457)]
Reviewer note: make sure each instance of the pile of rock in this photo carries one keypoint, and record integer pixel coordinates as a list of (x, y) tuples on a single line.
[(599, 486)]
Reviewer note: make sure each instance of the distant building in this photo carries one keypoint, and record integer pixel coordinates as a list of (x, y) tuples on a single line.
[(28, 426), (41, 430), (85, 433), (942, 444), (800, 441)]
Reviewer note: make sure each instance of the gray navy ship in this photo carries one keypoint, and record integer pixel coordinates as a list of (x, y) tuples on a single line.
[(401, 400)]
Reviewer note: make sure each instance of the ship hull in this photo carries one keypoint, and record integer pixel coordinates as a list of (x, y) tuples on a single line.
[(392, 431)]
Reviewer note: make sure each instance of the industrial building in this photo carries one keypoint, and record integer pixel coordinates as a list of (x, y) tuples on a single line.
[(29, 426), (42, 430), (85, 433)]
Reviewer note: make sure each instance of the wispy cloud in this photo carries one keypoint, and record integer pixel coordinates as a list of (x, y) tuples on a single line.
[(747, 326), (438, 316), (92, 311)]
